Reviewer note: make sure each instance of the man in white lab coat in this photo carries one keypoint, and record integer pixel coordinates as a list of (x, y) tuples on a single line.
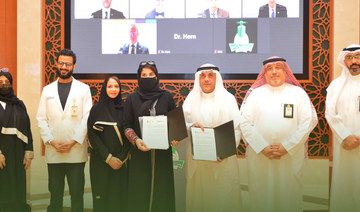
[(62, 118)]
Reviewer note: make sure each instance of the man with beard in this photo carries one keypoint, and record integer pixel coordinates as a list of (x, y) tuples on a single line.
[(343, 115), (277, 117), (212, 186), (62, 118)]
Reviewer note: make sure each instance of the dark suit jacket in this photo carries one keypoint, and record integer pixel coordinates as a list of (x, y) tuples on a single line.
[(220, 13), (114, 14), (281, 11), (140, 49)]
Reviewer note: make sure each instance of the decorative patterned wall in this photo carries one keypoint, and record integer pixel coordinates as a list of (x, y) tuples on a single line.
[(320, 24)]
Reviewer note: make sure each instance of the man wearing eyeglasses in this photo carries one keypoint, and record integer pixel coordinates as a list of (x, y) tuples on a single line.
[(343, 115), (62, 118)]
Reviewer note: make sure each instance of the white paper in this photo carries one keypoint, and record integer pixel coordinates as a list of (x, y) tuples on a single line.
[(154, 131), (204, 146)]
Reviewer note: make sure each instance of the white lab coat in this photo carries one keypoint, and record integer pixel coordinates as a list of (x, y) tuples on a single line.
[(65, 125)]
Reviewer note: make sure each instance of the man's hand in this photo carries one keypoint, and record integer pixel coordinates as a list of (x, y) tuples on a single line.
[(63, 147), (2, 161), (115, 163), (66, 146), (279, 150), (27, 163), (198, 125), (269, 152), (351, 142), (175, 143), (141, 145)]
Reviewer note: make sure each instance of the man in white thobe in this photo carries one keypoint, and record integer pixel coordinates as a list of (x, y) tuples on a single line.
[(277, 117), (343, 115), (211, 186)]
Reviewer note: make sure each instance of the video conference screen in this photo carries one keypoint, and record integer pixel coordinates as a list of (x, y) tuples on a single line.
[(113, 36)]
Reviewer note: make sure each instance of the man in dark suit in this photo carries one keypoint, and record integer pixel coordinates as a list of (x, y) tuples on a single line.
[(158, 11), (134, 47), (107, 13), (214, 11), (272, 10)]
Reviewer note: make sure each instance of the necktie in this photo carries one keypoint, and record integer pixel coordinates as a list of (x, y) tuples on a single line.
[(212, 15), (273, 13), (132, 49), (106, 14)]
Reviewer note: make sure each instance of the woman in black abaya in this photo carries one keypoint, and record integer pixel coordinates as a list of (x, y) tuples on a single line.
[(16, 147), (109, 150), (151, 178)]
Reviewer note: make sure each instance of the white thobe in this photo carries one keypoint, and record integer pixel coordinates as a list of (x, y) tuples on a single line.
[(212, 186), (344, 120), (276, 185)]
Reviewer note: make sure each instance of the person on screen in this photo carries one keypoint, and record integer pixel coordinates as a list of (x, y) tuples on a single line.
[(134, 47), (343, 115), (107, 12), (62, 116), (158, 11), (151, 176), (277, 117), (272, 10), (109, 149), (214, 11), (211, 186)]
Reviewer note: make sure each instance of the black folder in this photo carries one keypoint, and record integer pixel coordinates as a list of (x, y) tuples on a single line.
[(224, 140), (176, 125)]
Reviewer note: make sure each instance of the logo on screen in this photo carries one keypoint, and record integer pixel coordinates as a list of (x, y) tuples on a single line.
[(241, 40)]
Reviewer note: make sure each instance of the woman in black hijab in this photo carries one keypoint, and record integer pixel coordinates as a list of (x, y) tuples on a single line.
[(16, 147), (151, 178), (109, 149)]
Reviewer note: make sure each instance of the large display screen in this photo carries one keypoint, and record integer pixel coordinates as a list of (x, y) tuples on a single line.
[(113, 36)]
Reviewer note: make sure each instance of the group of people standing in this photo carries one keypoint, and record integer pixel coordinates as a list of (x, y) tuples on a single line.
[(275, 120)]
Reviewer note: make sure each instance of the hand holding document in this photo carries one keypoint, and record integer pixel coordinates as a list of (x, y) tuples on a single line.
[(154, 131), (157, 131), (213, 142)]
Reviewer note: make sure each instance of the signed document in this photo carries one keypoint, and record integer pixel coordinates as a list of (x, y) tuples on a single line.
[(154, 130), (213, 142), (203, 144)]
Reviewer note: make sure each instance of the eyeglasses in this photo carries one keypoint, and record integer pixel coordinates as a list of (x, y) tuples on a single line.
[(142, 63), (67, 64), (350, 57), (4, 70)]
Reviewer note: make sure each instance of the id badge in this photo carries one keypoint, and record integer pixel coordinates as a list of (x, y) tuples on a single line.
[(288, 111), (74, 111)]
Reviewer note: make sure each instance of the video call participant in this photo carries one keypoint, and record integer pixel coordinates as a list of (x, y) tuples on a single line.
[(214, 11), (134, 47), (272, 10), (158, 11), (107, 12)]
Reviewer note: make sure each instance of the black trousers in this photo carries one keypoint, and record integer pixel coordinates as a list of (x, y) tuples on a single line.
[(74, 173)]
